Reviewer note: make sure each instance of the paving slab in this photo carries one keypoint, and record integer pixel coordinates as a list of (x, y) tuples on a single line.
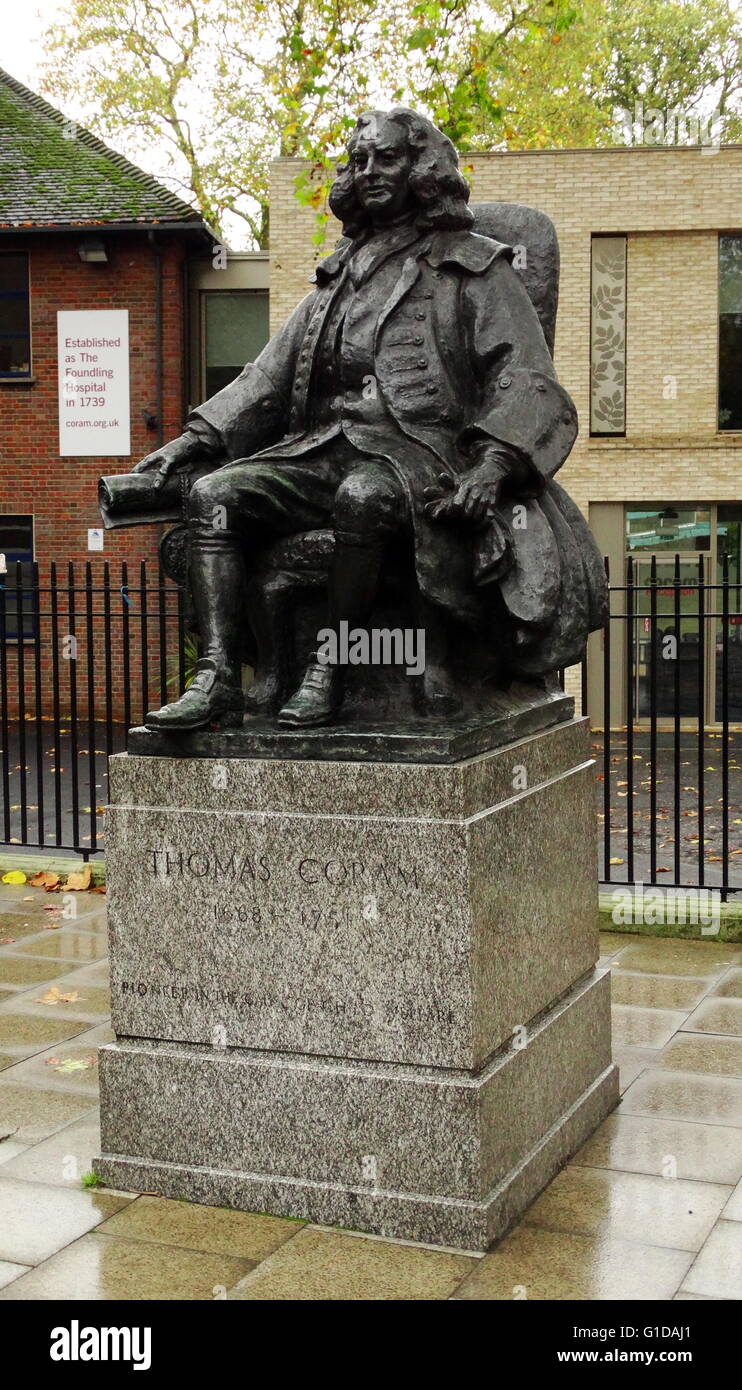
[(102, 1268), (214, 1229), (330, 1266), (717, 1270), (36, 1220), (630, 1206), (538, 1264), (667, 1148)]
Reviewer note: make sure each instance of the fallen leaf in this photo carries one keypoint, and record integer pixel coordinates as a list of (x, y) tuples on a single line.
[(615, 861), (14, 876), (55, 996), (79, 882), (75, 1064), (44, 879)]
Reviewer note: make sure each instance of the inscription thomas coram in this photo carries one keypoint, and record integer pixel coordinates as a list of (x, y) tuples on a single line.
[(236, 866)]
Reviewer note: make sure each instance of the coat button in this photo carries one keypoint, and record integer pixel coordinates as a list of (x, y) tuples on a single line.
[(540, 385), (420, 316), (418, 339), (504, 382), (422, 361), (431, 389)]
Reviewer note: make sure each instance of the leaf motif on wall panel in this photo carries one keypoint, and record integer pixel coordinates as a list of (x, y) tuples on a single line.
[(608, 336)]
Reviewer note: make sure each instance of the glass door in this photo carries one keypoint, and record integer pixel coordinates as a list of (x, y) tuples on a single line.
[(671, 655)]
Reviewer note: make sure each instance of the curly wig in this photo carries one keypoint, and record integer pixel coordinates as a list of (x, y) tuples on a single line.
[(440, 193)]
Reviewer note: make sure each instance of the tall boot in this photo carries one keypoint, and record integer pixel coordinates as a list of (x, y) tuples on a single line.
[(354, 582), (215, 694)]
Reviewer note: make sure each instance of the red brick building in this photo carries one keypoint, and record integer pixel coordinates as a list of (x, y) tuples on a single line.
[(81, 229)]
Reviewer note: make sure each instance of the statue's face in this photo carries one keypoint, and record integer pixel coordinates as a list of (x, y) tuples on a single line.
[(381, 163)]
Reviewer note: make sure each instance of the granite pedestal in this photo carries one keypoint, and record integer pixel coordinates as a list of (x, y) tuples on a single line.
[(362, 993)]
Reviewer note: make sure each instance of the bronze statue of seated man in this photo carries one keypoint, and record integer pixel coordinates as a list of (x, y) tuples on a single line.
[(410, 395)]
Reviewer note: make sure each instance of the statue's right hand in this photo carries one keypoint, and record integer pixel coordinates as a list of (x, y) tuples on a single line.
[(170, 456)]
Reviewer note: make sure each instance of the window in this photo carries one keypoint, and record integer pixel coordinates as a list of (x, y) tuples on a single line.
[(608, 335), (15, 332), (730, 332), (235, 331), (16, 544)]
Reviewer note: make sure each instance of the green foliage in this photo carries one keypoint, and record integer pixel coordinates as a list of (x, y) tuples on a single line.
[(191, 656), (91, 1179), (206, 92)]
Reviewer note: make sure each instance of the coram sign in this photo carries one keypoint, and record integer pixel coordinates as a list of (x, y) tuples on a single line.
[(93, 357)]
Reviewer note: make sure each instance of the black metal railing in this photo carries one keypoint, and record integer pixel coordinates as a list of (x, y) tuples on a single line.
[(663, 688), (662, 685), (98, 652)]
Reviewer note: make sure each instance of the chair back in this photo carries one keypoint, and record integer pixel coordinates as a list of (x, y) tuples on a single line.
[(537, 254)]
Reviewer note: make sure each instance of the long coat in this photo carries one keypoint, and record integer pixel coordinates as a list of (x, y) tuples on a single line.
[(458, 356)]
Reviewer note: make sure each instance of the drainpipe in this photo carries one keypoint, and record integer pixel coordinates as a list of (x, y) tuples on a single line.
[(186, 338), (158, 333)]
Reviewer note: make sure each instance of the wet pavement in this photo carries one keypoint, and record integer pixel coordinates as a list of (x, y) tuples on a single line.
[(650, 1208)]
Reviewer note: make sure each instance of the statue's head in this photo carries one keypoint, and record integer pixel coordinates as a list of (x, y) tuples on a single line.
[(399, 162)]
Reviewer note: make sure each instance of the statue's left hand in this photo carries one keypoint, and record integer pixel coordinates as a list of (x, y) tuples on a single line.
[(475, 498)]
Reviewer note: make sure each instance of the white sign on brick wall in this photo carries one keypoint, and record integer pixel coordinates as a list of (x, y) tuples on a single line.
[(93, 357)]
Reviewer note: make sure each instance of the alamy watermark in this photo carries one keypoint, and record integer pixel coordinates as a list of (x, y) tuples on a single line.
[(637, 904), (648, 125), (375, 646)]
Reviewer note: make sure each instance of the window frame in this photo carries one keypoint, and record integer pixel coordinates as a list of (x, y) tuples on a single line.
[(10, 635), (204, 294), (722, 235), (10, 294)]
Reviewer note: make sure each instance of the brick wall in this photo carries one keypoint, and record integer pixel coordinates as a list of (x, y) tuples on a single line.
[(61, 493)]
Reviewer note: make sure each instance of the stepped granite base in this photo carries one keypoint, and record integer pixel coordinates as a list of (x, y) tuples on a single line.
[(361, 993)]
